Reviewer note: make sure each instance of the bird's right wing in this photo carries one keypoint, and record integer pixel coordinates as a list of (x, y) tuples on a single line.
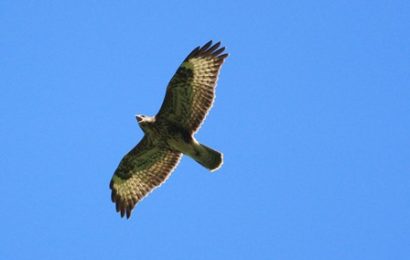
[(143, 169)]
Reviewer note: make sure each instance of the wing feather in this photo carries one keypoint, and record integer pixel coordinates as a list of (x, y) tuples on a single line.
[(191, 91), (143, 169)]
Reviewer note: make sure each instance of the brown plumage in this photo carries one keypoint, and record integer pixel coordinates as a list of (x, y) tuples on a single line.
[(168, 135), (206, 63)]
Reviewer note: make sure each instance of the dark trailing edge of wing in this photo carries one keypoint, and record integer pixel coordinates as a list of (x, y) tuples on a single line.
[(209, 50)]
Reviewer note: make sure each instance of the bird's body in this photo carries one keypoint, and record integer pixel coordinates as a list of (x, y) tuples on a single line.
[(170, 133)]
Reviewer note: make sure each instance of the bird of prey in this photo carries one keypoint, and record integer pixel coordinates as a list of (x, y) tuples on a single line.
[(170, 133)]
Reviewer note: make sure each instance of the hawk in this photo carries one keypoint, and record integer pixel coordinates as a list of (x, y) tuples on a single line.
[(170, 133)]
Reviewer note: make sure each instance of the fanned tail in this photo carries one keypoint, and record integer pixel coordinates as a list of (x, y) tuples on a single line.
[(207, 157)]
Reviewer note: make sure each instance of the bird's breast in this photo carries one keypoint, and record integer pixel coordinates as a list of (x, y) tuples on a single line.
[(176, 137)]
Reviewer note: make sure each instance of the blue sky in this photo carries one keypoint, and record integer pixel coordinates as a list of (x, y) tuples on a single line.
[(312, 114)]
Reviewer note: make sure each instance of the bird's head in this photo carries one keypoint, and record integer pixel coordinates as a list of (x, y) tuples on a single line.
[(145, 121)]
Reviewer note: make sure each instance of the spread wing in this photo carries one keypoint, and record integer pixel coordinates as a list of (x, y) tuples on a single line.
[(143, 169), (191, 91)]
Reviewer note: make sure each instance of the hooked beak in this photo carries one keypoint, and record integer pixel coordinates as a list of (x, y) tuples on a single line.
[(139, 118)]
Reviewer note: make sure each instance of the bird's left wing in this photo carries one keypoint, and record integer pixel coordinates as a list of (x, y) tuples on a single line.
[(143, 169), (191, 91)]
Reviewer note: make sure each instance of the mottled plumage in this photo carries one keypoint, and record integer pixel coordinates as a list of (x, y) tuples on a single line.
[(169, 134)]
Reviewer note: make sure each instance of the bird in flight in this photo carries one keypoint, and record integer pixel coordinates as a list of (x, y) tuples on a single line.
[(170, 133)]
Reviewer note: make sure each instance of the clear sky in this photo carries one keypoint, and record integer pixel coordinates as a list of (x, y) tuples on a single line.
[(312, 114)]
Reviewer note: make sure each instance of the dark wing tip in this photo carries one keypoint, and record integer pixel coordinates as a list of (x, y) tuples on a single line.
[(129, 212), (192, 54), (124, 207), (209, 50), (206, 46), (113, 195)]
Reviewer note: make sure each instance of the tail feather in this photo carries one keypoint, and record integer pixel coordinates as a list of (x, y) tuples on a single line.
[(207, 157)]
